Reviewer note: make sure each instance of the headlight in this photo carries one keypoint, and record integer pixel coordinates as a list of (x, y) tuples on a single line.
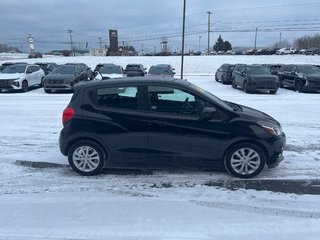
[(271, 128)]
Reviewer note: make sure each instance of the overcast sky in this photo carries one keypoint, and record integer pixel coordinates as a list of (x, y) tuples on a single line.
[(142, 23)]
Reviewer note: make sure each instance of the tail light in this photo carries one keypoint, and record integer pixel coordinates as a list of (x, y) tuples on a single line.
[(68, 114)]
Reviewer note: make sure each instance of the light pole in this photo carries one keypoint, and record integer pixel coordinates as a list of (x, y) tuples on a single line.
[(71, 43), (209, 13), (199, 44), (183, 31), (255, 40)]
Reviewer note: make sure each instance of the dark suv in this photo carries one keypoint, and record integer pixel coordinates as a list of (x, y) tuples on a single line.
[(135, 70), (300, 77), (252, 78), (224, 73), (64, 77), (157, 122)]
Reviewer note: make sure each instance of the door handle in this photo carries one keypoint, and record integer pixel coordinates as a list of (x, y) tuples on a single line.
[(160, 123)]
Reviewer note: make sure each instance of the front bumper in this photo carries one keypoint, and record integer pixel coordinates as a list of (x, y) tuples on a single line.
[(10, 85), (57, 87), (276, 151)]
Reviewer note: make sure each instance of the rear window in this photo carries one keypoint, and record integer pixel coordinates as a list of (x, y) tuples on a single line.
[(117, 97)]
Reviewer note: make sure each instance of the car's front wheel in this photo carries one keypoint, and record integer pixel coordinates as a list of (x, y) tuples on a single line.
[(298, 86), (86, 158), (245, 160), (234, 85), (25, 86)]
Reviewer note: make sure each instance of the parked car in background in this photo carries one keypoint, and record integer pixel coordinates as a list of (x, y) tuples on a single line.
[(164, 70), (253, 78), (108, 71), (135, 70), (21, 77), (64, 77), (85, 68), (6, 64), (156, 122), (35, 55), (274, 68), (47, 67), (224, 73), (284, 51), (300, 77)]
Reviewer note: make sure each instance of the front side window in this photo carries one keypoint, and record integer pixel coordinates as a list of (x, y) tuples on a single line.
[(175, 101), (117, 97)]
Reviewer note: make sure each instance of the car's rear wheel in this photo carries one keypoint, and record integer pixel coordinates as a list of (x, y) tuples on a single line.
[(25, 86), (86, 158), (48, 91), (234, 84), (273, 91), (245, 160), (298, 86), (245, 87)]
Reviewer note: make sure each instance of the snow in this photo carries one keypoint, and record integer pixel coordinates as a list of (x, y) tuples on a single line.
[(59, 204)]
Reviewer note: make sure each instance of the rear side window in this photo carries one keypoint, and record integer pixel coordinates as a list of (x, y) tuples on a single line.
[(117, 97)]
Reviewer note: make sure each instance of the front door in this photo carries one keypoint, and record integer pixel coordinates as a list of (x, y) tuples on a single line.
[(177, 136)]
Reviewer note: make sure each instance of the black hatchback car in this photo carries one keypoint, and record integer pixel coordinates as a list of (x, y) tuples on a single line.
[(253, 78), (157, 122)]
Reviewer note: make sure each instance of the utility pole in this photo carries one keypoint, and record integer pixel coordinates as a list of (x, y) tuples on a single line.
[(100, 40), (71, 43), (209, 13), (183, 31), (255, 40), (199, 44)]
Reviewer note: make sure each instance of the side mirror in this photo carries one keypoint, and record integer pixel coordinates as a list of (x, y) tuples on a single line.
[(208, 113)]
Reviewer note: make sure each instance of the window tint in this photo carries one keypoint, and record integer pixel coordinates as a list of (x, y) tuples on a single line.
[(118, 97), (288, 68), (175, 101)]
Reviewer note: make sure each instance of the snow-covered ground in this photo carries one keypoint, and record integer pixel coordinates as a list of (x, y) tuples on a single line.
[(59, 204)]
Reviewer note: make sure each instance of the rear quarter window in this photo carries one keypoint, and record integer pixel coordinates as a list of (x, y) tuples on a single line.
[(116, 97)]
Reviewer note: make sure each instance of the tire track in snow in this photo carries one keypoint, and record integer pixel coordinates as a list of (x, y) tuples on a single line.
[(272, 211)]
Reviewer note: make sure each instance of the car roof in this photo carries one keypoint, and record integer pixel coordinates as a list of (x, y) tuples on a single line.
[(132, 80)]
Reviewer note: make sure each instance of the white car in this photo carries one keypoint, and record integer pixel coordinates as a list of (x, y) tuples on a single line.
[(21, 77), (108, 71), (283, 51)]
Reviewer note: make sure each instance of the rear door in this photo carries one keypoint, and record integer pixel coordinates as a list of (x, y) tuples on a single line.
[(118, 120)]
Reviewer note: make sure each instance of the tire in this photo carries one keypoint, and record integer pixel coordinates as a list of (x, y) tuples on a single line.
[(222, 80), (233, 84), (273, 92), (280, 83), (216, 78), (25, 86), (298, 86), (245, 87), (47, 91), (42, 82), (86, 158), (245, 160)]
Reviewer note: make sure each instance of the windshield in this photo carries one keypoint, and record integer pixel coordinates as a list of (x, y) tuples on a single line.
[(133, 67), (14, 69), (159, 70), (309, 70), (211, 97), (110, 70), (257, 70), (63, 70)]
